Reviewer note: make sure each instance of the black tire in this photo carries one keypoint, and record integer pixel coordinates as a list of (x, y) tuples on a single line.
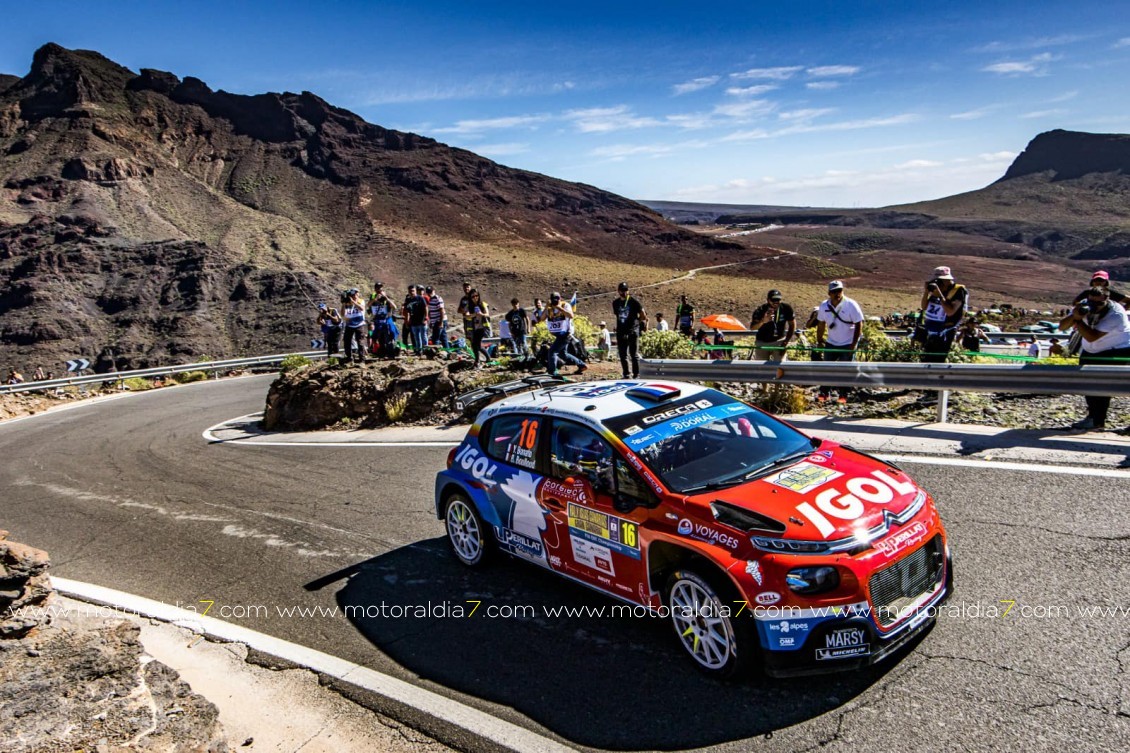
[(468, 536), (720, 642)]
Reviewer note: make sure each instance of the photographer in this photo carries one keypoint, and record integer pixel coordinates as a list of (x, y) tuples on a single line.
[(330, 322), (943, 305), (353, 313), (1105, 330), (1101, 279), (775, 324), (839, 324)]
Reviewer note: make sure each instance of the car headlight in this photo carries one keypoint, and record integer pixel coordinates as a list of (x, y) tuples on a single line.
[(812, 580)]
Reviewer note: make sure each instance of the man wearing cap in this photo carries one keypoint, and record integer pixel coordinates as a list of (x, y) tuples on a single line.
[(943, 306), (1101, 279), (1105, 329), (775, 325), (558, 318), (629, 313), (839, 323)]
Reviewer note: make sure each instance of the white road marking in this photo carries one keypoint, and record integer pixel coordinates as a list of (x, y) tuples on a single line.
[(1003, 465), (503, 734)]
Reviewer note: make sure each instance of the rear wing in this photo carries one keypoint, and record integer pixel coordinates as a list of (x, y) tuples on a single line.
[(483, 395)]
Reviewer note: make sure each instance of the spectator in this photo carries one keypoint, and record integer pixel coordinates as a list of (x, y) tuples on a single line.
[(480, 321), (604, 342), (383, 336), (1105, 330), (838, 326), (719, 353), (1055, 350), (464, 310), (519, 322), (559, 319), (39, 375), (15, 377), (330, 322), (684, 316), (416, 318), (1034, 348), (437, 318), (353, 314), (972, 336), (539, 309), (630, 316), (943, 306), (775, 324), (1101, 279), (661, 323)]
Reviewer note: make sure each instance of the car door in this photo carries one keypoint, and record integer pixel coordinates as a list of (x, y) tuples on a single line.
[(598, 544)]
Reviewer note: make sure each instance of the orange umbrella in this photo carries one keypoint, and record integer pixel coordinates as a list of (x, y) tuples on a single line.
[(722, 321)]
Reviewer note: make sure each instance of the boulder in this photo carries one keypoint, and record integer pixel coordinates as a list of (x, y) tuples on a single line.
[(23, 586)]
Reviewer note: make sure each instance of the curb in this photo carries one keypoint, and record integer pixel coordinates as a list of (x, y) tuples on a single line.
[(449, 721)]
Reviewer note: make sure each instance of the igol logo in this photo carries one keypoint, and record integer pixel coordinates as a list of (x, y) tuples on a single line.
[(685, 527)]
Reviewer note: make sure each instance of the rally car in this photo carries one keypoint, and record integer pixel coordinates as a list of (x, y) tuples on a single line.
[(761, 545)]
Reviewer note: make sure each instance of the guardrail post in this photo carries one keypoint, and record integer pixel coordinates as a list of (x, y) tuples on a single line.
[(943, 406)]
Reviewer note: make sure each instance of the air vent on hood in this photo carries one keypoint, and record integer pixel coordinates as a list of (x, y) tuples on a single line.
[(744, 520)]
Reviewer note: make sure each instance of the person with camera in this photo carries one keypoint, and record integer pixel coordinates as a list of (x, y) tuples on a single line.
[(558, 318), (1105, 331), (631, 319), (330, 322), (353, 316), (775, 324), (839, 324), (943, 306)]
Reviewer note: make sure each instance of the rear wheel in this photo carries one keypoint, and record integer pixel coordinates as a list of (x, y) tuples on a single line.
[(720, 644), (466, 533)]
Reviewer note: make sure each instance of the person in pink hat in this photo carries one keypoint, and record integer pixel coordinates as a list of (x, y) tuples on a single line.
[(1101, 279), (943, 306)]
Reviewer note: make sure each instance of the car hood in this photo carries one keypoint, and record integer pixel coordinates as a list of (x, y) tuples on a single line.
[(833, 493)]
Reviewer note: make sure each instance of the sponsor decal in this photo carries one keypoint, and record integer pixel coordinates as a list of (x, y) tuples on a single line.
[(816, 459), (606, 530), (680, 411), (803, 477), (878, 488), (705, 533), (684, 422), (767, 598), (824, 654), (555, 561), (593, 555), (633, 430), (588, 392), (903, 539), (825, 453), (521, 544), (844, 637), (753, 570), (788, 626), (786, 640), (578, 491), (477, 464)]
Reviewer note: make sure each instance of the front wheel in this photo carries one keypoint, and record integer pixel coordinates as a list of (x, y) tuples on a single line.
[(720, 644), (466, 532)]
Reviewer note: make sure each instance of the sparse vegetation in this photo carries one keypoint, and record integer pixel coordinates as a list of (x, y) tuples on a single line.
[(394, 407), (669, 344), (187, 377), (293, 363), (137, 384)]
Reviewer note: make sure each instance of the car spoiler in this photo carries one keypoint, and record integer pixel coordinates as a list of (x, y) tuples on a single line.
[(490, 393)]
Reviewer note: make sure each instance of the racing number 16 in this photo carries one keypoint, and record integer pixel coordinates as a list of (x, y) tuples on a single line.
[(628, 534), (529, 434)]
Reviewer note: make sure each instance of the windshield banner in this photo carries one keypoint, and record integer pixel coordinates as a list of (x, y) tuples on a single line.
[(638, 437)]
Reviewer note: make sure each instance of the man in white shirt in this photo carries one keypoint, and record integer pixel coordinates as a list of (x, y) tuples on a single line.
[(661, 323), (1105, 329), (839, 323), (604, 342)]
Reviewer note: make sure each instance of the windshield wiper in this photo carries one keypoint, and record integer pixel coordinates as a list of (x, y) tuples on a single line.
[(767, 469)]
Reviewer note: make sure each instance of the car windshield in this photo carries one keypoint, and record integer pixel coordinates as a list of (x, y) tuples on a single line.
[(709, 441)]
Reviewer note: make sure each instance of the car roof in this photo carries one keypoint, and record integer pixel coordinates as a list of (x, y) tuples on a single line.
[(608, 399)]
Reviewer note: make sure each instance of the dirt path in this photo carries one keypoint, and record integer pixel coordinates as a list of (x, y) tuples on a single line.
[(690, 275)]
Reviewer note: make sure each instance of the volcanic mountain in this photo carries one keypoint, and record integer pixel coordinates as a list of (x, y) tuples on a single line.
[(146, 218)]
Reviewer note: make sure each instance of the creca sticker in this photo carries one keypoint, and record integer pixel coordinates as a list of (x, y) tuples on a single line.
[(578, 490), (803, 477), (605, 530), (593, 555)]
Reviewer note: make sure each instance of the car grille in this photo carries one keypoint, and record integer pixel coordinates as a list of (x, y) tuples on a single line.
[(897, 586)]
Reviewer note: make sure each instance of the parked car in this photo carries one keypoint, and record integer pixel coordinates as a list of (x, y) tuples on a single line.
[(761, 545)]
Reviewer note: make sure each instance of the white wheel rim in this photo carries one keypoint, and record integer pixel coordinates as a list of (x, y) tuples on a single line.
[(704, 632), (463, 530)]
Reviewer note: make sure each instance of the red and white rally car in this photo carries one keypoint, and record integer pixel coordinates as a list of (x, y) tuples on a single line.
[(763, 546)]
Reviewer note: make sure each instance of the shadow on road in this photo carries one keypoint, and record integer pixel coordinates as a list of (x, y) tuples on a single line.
[(606, 682)]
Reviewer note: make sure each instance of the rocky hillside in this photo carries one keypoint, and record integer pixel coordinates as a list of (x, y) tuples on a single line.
[(146, 218)]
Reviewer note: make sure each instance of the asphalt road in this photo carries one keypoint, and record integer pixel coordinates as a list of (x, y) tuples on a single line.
[(127, 494)]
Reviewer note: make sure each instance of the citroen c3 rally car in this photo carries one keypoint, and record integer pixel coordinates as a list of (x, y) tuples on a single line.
[(762, 546)]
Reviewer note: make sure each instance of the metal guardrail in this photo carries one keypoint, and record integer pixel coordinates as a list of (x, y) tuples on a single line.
[(963, 377), (119, 376)]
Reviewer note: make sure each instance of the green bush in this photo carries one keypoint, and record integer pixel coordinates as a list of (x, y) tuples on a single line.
[(669, 344), (186, 377), (294, 363), (137, 384), (582, 328)]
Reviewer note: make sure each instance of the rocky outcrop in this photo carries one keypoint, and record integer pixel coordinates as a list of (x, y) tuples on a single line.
[(377, 394), (75, 682), (1070, 154)]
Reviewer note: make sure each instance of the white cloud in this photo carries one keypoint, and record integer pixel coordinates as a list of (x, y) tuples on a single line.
[(780, 73), (1065, 97), (1030, 44), (1043, 114), (695, 85), (1035, 65), (833, 70), (618, 152), (608, 119), (997, 156), (803, 127), (806, 114), (501, 150), (918, 164), (973, 114), (1124, 42), (750, 91), (745, 109), (491, 124), (823, 85)]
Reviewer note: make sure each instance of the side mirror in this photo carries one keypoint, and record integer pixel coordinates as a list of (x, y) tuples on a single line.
[(621, 503)]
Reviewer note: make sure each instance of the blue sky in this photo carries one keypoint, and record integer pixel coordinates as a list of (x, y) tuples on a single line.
[(792, 103)]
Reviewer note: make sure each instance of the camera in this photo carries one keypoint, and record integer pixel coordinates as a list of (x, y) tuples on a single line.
[(1084, 308)]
